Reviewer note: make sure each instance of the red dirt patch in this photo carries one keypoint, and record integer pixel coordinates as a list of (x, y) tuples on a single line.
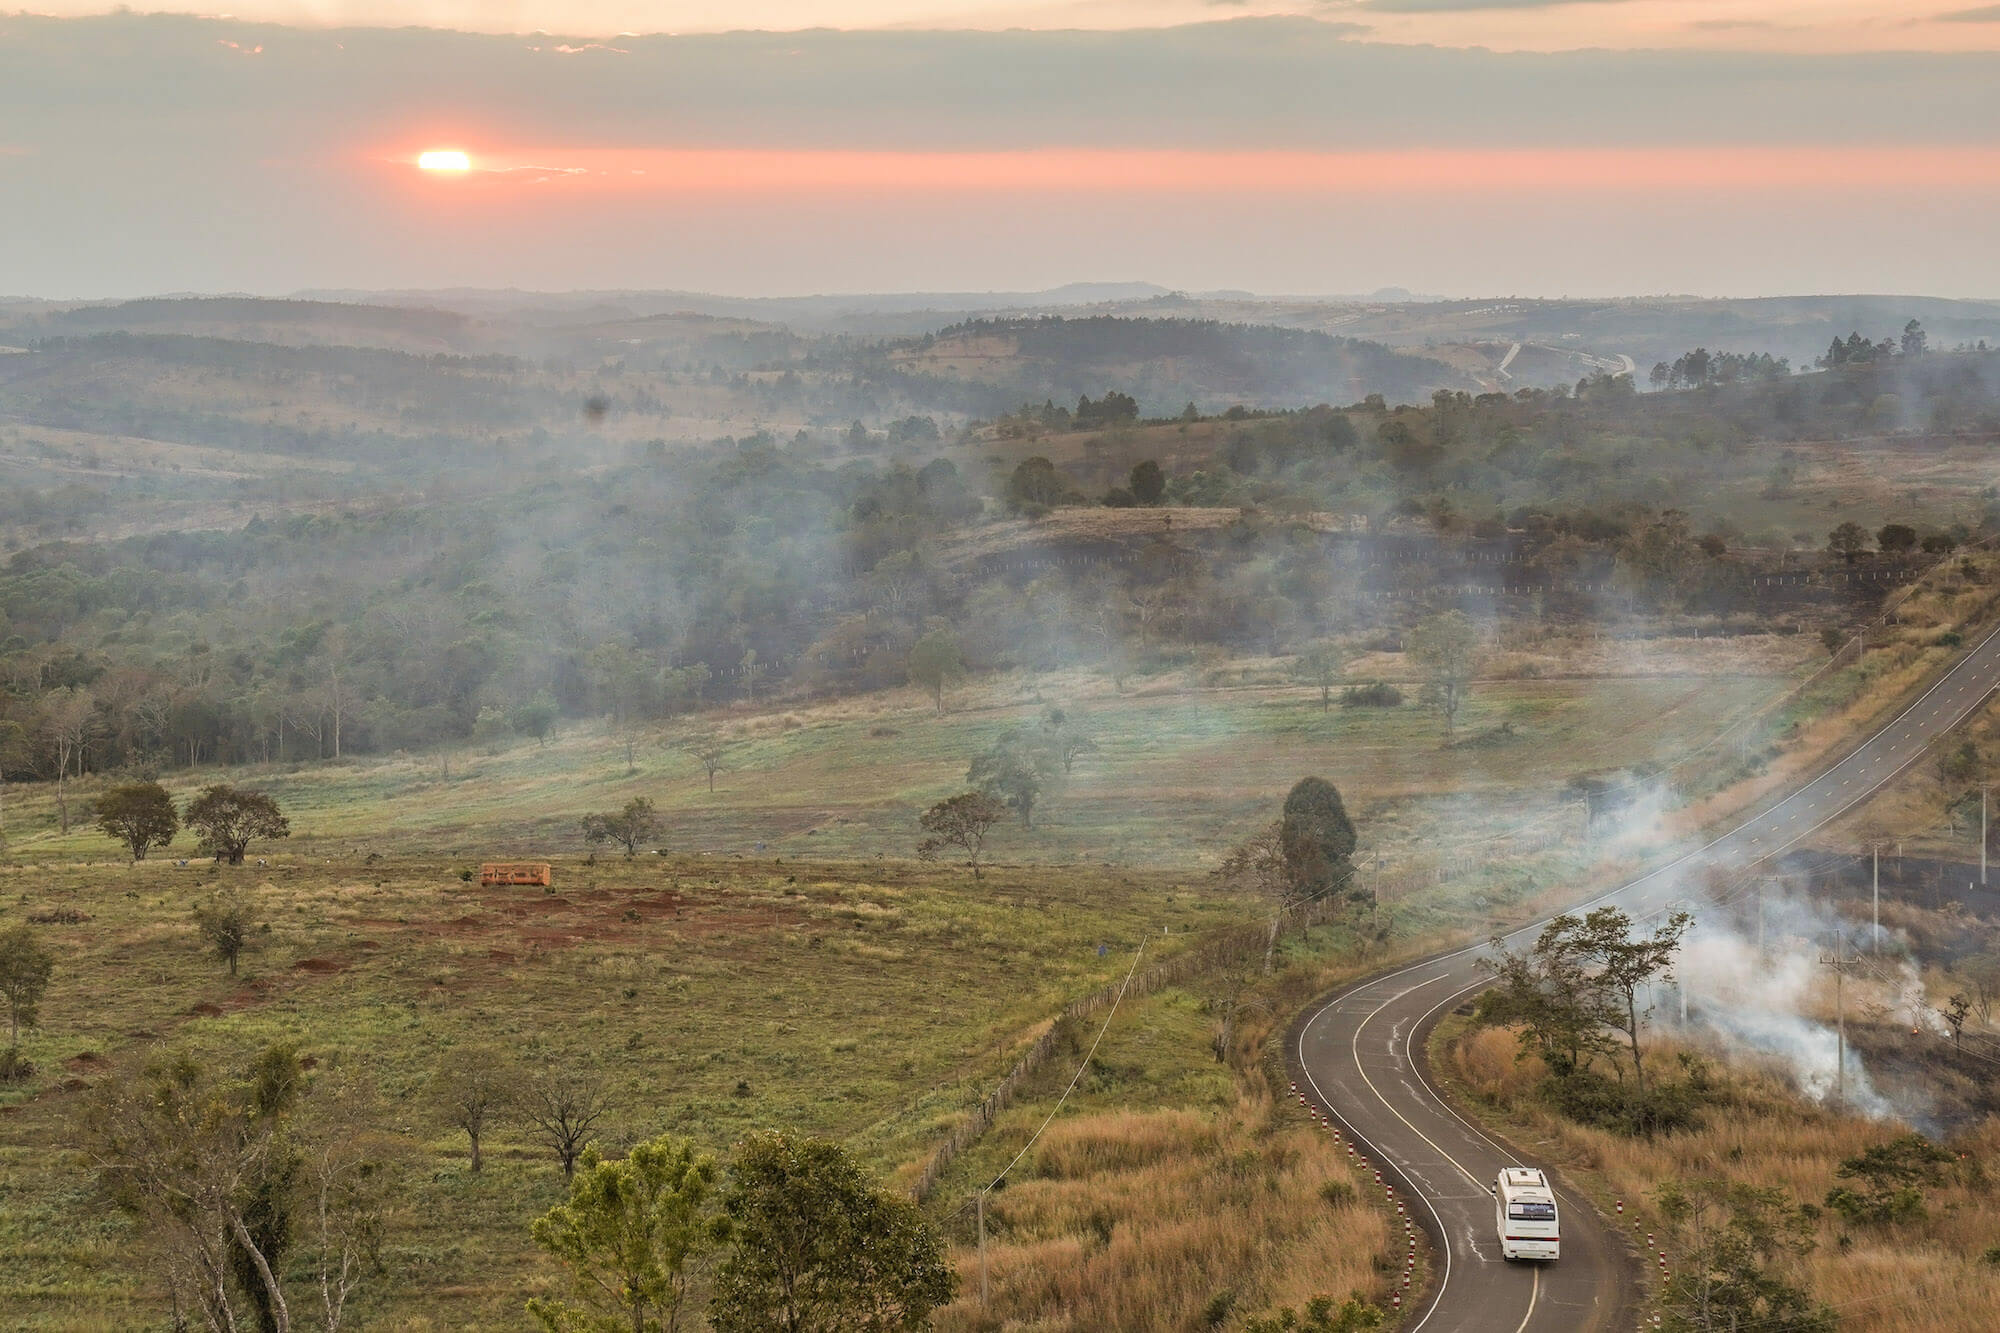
[(500, 955), (206, 1010), (86, 1060), (320, 967)]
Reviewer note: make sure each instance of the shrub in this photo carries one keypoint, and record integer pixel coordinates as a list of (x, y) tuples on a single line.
[(1375, 694)]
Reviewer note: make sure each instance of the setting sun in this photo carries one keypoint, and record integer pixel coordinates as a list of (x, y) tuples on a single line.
[(444, 159)]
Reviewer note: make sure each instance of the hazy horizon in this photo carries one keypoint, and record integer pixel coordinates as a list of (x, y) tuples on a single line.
[(155, 154)]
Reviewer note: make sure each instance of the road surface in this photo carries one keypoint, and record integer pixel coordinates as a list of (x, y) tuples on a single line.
[(1357, 1054)]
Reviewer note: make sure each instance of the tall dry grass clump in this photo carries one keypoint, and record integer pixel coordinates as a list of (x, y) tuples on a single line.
[(1170, 1220)]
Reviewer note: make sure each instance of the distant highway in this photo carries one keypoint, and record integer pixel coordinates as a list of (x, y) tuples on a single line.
[(1358, 1055)]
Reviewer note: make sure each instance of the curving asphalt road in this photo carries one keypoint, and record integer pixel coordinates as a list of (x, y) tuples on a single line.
[(1357, 1054)]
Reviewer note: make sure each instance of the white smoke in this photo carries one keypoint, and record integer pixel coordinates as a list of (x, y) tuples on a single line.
[(1776, 1002)]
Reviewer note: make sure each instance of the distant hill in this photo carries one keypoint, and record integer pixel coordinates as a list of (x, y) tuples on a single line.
[(254, 319), (1166, 363)]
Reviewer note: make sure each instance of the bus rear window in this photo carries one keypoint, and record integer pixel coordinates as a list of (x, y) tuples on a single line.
[(1532, 1212)]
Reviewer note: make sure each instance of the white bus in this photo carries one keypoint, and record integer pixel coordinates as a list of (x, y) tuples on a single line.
[(1524, 1213)]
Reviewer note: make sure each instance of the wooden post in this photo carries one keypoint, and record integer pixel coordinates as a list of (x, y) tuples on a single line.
[(984, 1293)]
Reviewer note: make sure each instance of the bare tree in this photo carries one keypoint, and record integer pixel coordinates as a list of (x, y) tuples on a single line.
[(69, 721), (709, 753), (564, 1103), (471, 1090)]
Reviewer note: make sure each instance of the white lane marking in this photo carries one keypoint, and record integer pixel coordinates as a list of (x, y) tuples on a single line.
[(1533, 1292)]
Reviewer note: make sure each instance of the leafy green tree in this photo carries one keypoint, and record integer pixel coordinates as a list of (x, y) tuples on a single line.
[(1015, 771), (25, 970), (1896, 538), (1148, 484), (818, 1249), (1889, 1180), (628, 827), (1445, 648), (226, 921), (139, 814), (1624, 963), (1848, 541), (935, 663), (227, 818), (961, 821), (535, 717), (633, 1236), (1740, 1249), (1581, 978), (1035, 484), (1317, 837), (1324, 665)]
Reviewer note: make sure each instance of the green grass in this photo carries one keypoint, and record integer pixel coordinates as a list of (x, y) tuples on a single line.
[(1180, 775), (868, 1006)]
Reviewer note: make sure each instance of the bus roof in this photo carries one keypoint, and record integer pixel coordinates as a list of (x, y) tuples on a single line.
[(1523, 1178)]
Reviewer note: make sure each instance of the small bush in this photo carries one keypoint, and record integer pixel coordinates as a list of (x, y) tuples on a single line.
[(1337, 1193), (58, 916), (15, 1066), (1375, 694), (1590, 1098)]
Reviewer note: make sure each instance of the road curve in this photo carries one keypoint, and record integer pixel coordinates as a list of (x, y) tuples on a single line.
[(1357, 1055)]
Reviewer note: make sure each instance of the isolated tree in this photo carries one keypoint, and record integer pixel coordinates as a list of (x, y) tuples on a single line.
[(1258, 865), (1323, 665), (709, 752), (818, 1249), (140, 814), (68, 724), (225, 921), (935, 663), (1848, 541), (1446, 649), (25, 970), (961, 821), (1896, 538), (1625, 963), (1915, 341), (227, 818), (564, 1102), (629, 827), (1067, 734), (471, 1090), (1317, 837), (535, 717), (632, 1235), (1739, 1252), (1549, 997), (1035, 484), (1148, 484), (1015, 771)]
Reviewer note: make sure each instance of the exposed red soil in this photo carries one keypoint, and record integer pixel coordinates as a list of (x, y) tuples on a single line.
[(320, 966)]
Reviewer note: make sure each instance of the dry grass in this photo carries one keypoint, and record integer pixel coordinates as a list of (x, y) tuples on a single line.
[(1927, 1277), (1157, 1220)]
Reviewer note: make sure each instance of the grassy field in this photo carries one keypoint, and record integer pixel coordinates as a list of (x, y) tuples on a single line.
[(719, 997), (1181, 774), (824, 984)]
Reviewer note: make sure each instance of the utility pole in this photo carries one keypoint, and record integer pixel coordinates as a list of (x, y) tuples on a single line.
[(1876, 848), (1839, 965)]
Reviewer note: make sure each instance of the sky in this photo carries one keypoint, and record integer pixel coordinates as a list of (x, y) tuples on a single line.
[(767, 147)]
